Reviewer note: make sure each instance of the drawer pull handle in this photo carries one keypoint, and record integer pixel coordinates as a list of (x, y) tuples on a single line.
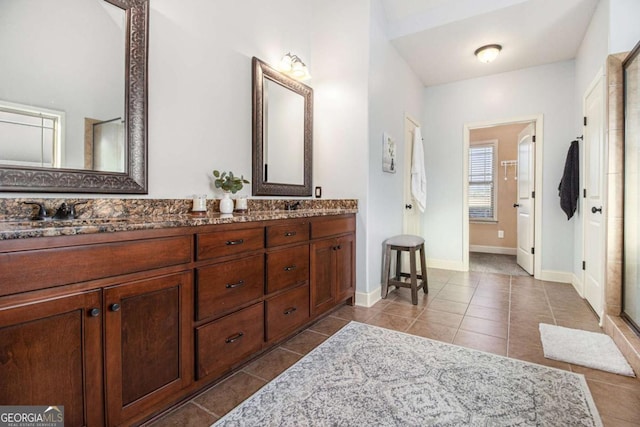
[(290, 233), (234, 285), (290, 268), (234, 338), (235, 242), (290, 310)]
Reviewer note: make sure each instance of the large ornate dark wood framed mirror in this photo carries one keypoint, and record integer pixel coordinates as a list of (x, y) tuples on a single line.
[(282, 133), (89, 110)]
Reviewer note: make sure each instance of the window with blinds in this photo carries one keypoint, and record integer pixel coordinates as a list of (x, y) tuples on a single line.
[(482, 181)]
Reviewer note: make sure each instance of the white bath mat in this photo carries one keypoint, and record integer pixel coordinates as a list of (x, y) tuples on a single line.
[(590, 349)]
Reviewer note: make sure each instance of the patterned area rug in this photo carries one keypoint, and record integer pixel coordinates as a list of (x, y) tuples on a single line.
[(369, 376)]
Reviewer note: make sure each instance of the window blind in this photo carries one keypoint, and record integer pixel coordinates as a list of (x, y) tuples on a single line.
[(482, 182)]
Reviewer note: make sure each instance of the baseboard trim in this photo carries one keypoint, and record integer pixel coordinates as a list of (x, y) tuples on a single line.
[(556, 276), (577, 285), (368, 299), (446, 264), (493, 250)]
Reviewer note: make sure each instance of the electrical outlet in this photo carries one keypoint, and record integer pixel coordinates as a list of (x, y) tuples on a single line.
[(500, 234)]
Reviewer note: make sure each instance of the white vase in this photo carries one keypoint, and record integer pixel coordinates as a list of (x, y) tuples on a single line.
[(226, 204)]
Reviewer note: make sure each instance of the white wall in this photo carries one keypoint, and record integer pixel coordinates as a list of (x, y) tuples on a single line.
[(625, 31), (340, 65), (200, 87), (393, 91), (547, 90)]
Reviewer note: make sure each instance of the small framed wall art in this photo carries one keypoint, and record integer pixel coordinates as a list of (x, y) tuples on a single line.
[(388, 153)]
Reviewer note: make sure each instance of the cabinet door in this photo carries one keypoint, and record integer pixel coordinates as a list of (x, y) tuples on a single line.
[(51, 354), (345, 261), (148, 356), (323, 292)]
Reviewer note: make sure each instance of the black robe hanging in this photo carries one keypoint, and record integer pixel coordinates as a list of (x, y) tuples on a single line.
[(569, 188)]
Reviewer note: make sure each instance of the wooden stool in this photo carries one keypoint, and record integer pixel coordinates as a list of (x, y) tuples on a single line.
[(407, 243)]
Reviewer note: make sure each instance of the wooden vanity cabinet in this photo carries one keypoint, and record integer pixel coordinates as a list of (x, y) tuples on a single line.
[(102, 326), (51, 354), (332, 262), (118, 327)]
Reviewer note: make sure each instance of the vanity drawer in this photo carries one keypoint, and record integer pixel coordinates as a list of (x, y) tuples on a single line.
[(287, 233), (221, 287), (44, 268), (223, 243), (222, 344), (287, 267), (287, 311), (332, 226)]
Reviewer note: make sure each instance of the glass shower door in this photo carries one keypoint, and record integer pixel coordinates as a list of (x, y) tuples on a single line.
[(631, 276)]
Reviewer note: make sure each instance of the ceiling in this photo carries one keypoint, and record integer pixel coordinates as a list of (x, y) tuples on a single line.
[(437, 38)]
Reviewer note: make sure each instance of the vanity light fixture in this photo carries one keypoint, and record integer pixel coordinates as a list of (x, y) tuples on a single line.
[(293, 66), (488, 53)]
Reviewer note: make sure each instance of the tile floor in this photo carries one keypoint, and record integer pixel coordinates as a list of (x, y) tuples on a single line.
[(495, 263), (490, 312)]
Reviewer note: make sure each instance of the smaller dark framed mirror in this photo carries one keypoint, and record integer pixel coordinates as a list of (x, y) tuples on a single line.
[(282, 133)]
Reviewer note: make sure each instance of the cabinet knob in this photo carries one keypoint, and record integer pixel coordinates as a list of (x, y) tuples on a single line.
[(234, 338), (290, 310), (290, 234), (94, 312), (115, 307), (290, 268)]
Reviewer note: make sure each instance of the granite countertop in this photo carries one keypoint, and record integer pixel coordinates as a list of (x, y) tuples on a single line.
[(22, 229)]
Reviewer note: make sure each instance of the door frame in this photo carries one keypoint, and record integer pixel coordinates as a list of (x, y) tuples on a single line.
[(538, 119), (600, 76)]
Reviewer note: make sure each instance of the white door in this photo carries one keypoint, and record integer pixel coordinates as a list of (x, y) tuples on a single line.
[(412, 218), (526, 198), (593, 207)]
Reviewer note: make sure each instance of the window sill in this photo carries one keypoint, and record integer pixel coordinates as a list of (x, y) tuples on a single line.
[(483, 221)]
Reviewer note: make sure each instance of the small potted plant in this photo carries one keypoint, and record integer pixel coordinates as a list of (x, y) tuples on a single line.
[(229, 183)]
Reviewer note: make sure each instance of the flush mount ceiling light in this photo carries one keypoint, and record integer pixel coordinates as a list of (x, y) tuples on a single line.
[(293, 66), (488, 53)]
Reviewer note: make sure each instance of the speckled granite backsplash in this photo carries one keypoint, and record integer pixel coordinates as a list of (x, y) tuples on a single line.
[(14, 209)]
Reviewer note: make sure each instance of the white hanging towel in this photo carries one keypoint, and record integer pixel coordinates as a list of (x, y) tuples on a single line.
[(418, 173)]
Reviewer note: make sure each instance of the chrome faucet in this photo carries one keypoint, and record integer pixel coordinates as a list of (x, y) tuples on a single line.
[(63, 212), (291, 206)]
